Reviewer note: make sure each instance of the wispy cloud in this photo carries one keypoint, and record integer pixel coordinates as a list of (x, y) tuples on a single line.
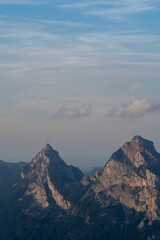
[(22, 2), (72, 112), (86, 4), (29, 46), (135, 109), (36, 47), (114, 9)]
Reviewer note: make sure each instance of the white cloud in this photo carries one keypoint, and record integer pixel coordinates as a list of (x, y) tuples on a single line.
[(73, 112), (135, 109), (86, 4), (114, 9), (20, 2), (28, 46)]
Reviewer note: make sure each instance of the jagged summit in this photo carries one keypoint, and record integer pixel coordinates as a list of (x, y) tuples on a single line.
[(138, 141), (141, 144), (135, 168), (50, 198), (49, 151), (50, 179), (49, 159), (47, 156), (139, 151), (48, 147)]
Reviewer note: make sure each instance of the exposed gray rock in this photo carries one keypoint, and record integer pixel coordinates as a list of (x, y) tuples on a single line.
[(47, 198), (50, 175), (132, 178)]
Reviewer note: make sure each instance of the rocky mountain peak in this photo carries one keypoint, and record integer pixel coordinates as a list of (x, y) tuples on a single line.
[(141, 144), (47, 156), (119, 202), (138, 142), (50, 152), (138, 152), (135, 167), (48, 147), (50, 179)]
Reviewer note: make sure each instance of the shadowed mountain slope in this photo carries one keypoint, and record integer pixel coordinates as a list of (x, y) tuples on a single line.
[(48, 199)]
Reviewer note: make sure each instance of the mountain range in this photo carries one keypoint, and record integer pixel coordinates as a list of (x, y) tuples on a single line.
[(47, 199)]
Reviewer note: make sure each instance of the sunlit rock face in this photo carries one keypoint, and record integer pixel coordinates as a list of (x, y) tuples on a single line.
[(49, 177), (47, 197), (132, 177)]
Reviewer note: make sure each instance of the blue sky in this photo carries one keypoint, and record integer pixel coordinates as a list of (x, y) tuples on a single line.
[(81, 75)]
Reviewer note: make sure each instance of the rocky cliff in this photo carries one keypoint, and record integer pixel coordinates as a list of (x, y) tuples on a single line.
[(132, 177), (48, 199)]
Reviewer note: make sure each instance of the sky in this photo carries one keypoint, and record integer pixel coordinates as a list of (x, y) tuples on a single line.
[(81, 75)]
